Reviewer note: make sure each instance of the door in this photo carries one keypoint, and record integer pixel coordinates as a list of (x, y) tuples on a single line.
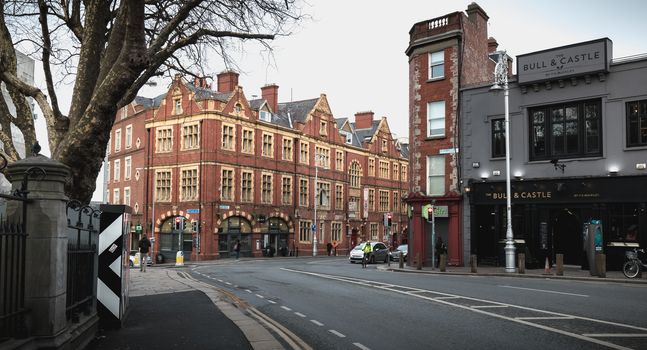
[(567, 235)]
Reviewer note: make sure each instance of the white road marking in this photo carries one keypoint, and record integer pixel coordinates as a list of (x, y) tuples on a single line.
[(487, 306), (227, 283), (260, 296), (336, 333), (616, 335), (248, 291), (271, 301), (299, 314), (219, 280), (359, 345), (317, 323), (547, 291), (446, 300), (546, 318), (286, 308)]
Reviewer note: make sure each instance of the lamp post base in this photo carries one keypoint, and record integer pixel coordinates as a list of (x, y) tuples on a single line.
[(509, 256)]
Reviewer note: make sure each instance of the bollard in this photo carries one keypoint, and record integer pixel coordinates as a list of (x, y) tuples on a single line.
[(388, 260), (179, 258), (522, 263), (401, 261), (443, 262), (559, 260), (418, 262), (601, 264), (473, 263)]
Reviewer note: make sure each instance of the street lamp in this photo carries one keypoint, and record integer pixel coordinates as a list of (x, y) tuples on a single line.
[(501, 83), (318, 159)]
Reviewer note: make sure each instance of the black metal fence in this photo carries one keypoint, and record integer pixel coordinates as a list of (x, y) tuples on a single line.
[(83, 235), (13, 248)]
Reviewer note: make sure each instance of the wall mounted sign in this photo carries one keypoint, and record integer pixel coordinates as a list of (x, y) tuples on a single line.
[(566, 61)]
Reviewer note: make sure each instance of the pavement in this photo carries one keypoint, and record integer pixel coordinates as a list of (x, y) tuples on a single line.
[(169, 309)]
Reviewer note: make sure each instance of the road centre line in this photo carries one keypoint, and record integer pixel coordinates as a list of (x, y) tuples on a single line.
[(441, 300), (286, 308), (487, 306), (248, 291), (228, 283), (336, 333), (547, 291), (299, 314), (317, 323), (260, 296), (219, 280), (271, 301)]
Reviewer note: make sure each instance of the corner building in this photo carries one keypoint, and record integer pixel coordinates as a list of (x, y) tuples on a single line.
[(445, 54), (272, 175)]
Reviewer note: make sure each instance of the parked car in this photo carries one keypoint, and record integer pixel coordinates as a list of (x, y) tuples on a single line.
[(131, 259), (395, 255), (380, 253)]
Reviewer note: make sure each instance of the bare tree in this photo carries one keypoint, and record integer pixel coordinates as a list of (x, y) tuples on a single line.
[(110, 49)]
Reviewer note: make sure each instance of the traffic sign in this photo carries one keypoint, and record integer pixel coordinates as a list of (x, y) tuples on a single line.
[(334, 243), (193, 211), (314, 227)]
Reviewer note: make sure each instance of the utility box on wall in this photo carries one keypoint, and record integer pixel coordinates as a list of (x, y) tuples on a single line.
[(114, 273)]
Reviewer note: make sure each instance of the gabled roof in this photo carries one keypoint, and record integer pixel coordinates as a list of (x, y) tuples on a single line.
[(367, 133), (297, 110), (257, 103), (340, 122), (404, 150)]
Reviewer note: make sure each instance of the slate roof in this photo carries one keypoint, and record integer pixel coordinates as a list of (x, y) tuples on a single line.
[(206, 93), (297, 110), (148, 102), (365, 133), (404, 150), (256, 104)]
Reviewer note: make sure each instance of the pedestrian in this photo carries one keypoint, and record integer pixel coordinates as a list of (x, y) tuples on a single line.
[(237, 248), (329, 248), (144, 248), (441, 249)]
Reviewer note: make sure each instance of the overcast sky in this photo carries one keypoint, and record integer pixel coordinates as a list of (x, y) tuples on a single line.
[(353, 51)]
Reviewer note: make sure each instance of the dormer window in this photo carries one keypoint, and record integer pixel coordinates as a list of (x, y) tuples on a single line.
[(265, 116), (238, 108)]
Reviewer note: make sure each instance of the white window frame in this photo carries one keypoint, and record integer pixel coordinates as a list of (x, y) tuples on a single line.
[(117, 140), (115, 196), (436, 59), (126, 196), (127, 167), (117, 170), (436, 118), (436, 175), (129, 136)]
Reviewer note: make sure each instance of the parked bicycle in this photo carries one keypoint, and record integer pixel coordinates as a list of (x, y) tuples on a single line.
[(634, 263)]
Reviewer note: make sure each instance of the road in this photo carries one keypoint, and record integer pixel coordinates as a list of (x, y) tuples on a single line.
[(331, 304)]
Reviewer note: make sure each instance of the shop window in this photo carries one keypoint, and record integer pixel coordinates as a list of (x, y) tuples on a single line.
[(571, 130), (637, 123)]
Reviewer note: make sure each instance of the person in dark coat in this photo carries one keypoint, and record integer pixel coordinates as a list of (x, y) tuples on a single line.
[(144, 249)]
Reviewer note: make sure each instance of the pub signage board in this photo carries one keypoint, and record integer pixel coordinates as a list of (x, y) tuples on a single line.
[(566, 61)]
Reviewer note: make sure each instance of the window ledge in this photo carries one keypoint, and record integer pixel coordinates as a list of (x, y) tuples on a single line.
[(439, 137), (635, 148), (431, 80)]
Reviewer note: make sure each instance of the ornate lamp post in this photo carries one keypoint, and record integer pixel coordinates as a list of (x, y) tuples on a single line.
[(501, 83)]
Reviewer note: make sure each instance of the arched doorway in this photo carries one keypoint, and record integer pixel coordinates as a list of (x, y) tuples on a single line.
[(233, 229), (171, 239), (275, 236)]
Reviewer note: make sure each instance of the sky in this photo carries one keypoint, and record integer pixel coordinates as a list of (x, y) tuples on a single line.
[(353, 51)]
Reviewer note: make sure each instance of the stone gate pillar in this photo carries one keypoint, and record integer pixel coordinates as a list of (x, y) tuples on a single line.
[(46, 251)]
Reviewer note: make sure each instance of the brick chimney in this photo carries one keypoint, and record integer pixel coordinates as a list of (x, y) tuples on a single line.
[(201, 82), (364, 120), (270, 93), (492, 45), (227, 81), (476, 13)]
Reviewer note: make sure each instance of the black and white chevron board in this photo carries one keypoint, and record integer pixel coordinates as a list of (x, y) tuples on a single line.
[(114, 250)]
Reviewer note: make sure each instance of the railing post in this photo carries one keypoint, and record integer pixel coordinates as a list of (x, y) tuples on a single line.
[(46, 246)]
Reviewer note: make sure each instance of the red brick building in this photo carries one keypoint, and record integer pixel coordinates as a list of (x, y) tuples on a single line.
[(445, 54), (255, 171)]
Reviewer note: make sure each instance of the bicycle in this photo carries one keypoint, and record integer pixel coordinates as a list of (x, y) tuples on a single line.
[(365, 260), (634, 264)]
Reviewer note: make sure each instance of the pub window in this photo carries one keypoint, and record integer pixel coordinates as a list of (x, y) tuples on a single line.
[(637, 123), (436, 65), (569, 130), (498, 138)]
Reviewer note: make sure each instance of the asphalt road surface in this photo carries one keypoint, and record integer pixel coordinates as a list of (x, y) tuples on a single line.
[(328, 303)]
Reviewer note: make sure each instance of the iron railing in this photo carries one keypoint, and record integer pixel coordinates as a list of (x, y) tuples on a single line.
[(82, 224)]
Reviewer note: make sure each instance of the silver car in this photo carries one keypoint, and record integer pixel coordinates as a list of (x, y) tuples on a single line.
[(380, 253), (395, 255)]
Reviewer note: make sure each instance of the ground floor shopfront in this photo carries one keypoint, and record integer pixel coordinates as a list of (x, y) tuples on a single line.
[(549, 217)]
